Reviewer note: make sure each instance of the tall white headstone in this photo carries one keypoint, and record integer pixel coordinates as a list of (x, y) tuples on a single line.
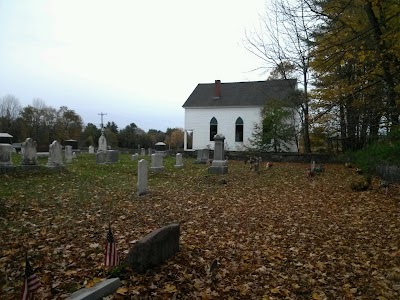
[(68, 154), (143, 173), (102, 142), (219, 164)]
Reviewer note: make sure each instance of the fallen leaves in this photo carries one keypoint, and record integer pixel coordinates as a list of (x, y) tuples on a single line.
[(169, 288), (122, 291), (276, 235)]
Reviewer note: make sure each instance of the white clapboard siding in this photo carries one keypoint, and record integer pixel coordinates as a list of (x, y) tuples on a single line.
[(198, 120)]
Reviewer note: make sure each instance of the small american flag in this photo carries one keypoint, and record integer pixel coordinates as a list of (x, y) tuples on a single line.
[(31, 282), (111, 258)]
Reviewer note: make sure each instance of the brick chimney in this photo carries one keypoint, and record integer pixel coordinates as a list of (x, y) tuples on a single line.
[(217, 89)]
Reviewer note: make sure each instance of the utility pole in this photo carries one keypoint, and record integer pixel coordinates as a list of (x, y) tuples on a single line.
[(101, 114)]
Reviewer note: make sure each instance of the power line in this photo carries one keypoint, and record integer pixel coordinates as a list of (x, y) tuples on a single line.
[(101, 124)]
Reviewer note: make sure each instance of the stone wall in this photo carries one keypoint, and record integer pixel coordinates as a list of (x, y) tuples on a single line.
[(390, 173), (284, 157)]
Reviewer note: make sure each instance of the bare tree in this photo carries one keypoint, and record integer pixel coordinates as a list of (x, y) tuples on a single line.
[(284, 38), (9, 107), (39, 104), (9, 112)]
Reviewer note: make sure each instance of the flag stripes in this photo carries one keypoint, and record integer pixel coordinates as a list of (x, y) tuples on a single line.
[(31, 282), (111, 257)]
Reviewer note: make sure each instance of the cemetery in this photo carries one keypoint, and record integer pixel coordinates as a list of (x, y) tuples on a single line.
[(280, 181), (196, 229)]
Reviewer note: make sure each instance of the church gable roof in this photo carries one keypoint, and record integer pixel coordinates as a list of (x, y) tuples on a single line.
[(251, 93)]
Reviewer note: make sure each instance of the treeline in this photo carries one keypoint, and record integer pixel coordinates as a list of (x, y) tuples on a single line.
[(45, 124), (356, 60), (346, 57)]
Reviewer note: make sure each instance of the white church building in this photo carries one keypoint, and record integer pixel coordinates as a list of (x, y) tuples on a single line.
[(231, 109)]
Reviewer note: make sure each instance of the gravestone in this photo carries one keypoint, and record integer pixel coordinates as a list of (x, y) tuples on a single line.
[(219, 164), (102, 142), (155, 248), (5, 155), (157, 163), (91, 149), (29, 153), (101, 157), (202, 156), (178, 163), (142, 152), (143, 172), (68, 154), (135, 156), (55, 155), (98, 291), (257, 164), (150, 151), (112, 156)]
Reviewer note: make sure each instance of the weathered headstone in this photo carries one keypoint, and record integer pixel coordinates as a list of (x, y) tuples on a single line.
[(157, 163), (68, 154), (112, 156), (257, 164), (155, 248), (178, 163), (142, 152), (135, 156), (219, 164), (5, 155), (203, 156), (55, 155), (91, 149), (150, 151), (143, 172), (102, 142), (101, 157), (29, 153)]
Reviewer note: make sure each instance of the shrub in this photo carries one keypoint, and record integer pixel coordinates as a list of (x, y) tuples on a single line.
[(381, 152), (360, 183)]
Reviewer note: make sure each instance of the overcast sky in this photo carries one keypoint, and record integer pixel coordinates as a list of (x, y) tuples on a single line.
[(137, 61)]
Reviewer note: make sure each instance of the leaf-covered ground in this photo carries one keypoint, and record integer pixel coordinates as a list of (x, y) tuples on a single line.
[(276, 235)]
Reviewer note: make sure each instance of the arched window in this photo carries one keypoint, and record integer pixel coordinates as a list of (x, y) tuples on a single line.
[(239, 130), (213, 128)]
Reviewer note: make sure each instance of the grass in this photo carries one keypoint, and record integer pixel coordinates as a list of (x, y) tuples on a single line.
[(277, 234)]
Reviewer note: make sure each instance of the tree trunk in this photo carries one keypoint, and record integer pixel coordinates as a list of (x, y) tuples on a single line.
[(386, 59), (343, 133), (306, 132)]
